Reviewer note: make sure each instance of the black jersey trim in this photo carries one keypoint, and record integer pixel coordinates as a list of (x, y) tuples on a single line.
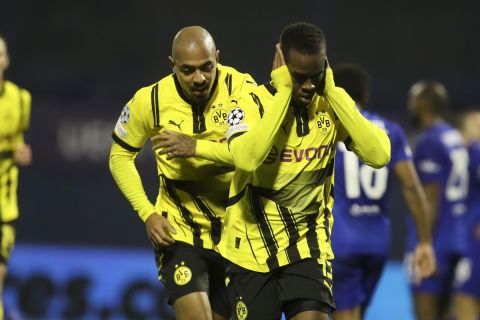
[(270, 88), (8, 154), (215, 222), (292, 231), (312, 237), (186, 214), (264, 228), (256, 99), (123, 144), (347, 143), (198, 119), (228, 82), (155, 106), (301, 116)]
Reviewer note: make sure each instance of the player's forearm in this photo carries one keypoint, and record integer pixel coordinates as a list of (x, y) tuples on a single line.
[(370, 143), (214, 151), (122, 167), (419, 209), (250, 149)]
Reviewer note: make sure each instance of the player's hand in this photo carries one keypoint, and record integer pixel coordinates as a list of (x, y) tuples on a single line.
[(328, 78), (174, 145), (424, 263), (23, 154), (159, 231), (279, 59)]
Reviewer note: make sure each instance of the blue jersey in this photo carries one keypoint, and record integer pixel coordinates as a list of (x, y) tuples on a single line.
[(361, 224), (473, 202), (441, 157)]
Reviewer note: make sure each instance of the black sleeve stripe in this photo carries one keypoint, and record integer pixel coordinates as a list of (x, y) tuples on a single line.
[(233, 136), (123, 144), (256, 99), (155, 106), (228, 82), (270, 88), (347, 143)]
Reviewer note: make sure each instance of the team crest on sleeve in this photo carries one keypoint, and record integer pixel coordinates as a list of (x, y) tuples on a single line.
[(125, 115), (182, 274), (235, 117)]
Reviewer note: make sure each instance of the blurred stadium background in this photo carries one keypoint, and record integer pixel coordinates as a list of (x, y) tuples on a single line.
[(81, 252)]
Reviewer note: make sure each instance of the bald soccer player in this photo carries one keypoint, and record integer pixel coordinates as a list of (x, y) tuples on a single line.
[(185, 222)]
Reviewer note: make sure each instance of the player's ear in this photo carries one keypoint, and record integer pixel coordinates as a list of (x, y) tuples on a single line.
[(172, 62), (217, 55)]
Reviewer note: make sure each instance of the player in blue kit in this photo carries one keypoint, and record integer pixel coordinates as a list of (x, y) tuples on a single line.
[(467, 277), (361, 231), (441, 160)]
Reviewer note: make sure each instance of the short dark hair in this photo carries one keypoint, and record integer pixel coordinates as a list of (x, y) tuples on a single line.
[(303, 37), (435, 93), (354, 79)]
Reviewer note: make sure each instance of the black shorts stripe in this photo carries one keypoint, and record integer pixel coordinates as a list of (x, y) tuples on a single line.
[(155, 106), (312, 237), (186, 215), (292, 231), (215, 222), (123, 144), (256, 99), (264, 228)]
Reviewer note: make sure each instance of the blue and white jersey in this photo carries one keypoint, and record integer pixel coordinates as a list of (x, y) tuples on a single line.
[(441, 157), (361, 224), (473, 199)]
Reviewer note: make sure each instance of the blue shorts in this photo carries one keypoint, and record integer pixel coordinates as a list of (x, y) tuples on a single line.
[(355, 278), (442, 281), (467, 274)]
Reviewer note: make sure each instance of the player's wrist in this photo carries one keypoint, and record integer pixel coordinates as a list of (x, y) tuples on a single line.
[(281, 78)]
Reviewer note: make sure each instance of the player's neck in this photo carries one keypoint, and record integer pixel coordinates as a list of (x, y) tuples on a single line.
[(430, 121)]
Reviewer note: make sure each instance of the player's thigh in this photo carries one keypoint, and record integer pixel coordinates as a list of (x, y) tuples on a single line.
[(427, 306), (467, 307), (374, 265), (350, 314), (218, 296), (193, 306), (7, 240), (184, 270), (348, 274), (306, 285), (254, 294)]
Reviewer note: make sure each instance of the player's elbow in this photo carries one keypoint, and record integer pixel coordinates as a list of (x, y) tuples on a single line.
[(382, 156)]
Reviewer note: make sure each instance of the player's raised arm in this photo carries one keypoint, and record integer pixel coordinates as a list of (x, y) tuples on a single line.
[(249, 149), (366, 140)]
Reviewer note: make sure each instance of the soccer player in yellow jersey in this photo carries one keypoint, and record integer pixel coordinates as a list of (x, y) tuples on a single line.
[(282, 140), (14, 121), (185, 223)]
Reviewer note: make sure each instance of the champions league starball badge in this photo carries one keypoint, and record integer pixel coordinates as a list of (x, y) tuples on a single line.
[(125, 115), (235, 117)]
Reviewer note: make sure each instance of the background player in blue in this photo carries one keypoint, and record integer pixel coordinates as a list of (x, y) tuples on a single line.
[(467, 276), (361, 231), (441, 160)]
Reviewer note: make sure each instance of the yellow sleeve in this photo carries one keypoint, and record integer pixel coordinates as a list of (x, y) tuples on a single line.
[(135, 124), (369, 142), (26, 102), (214, 151), (250, 146), (124, 171)]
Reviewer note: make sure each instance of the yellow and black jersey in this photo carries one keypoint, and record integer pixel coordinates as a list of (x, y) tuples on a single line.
[(193, 192), (14, 121), (280, 211)]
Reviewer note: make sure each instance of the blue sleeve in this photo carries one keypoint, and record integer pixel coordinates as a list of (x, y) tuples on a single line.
[(400, 148), (429, 160)]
